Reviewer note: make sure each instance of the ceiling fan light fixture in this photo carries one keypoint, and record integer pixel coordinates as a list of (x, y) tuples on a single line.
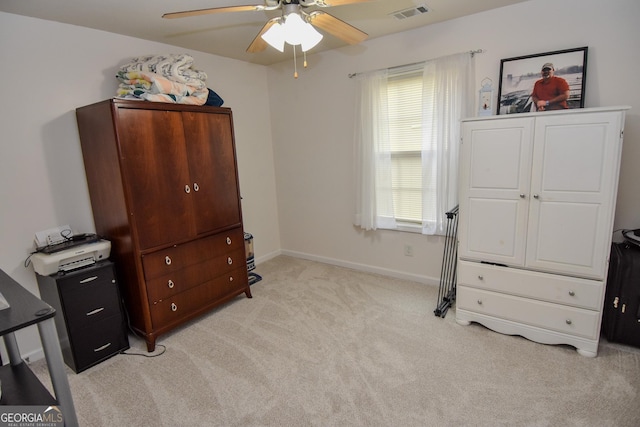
[(311, 37), (275, 36), (294, 31)]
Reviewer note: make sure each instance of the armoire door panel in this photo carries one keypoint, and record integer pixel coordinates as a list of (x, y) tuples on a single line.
[(496, 160), (492, 234), (573, 185), (569, 240), (154, 164), (212, 167), (495, 175)]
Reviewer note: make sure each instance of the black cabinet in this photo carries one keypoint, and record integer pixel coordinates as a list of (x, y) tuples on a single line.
[(92, 326)]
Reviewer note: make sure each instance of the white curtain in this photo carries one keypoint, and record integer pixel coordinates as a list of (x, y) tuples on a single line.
[(374, 209), (448, 97)]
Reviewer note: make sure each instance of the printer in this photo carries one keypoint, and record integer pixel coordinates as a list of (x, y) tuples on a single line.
[(75, 257)]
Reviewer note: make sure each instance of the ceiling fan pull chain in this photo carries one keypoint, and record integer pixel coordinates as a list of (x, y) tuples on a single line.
[(295, 63)]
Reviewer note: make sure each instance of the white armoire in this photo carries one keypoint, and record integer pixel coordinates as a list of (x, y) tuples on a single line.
[(537, 199)]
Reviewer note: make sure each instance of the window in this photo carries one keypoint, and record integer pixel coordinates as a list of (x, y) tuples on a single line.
[(404, 94), (406, 142)]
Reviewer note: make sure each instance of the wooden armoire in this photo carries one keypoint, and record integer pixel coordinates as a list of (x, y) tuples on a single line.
[(164, 190)]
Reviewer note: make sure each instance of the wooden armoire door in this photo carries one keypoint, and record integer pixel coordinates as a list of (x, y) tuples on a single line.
[(212, 165), (156, 172)]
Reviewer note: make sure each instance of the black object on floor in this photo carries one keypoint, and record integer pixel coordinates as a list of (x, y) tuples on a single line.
[(621, 314)]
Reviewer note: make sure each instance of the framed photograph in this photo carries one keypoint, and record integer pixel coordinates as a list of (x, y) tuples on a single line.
[(518, 76)]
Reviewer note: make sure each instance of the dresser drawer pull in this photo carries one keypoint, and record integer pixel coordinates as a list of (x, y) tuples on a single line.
[(96, 350), (228, 240), (187, 189), (170, 284), (167, 260), (230, 278), (196, 187), (174, 307), (479, 302), (572, 293), (569, 321), (480, 277), (229, 261), (89, 279), (96, 311)]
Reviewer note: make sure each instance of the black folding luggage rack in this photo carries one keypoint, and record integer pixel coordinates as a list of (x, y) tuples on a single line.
[(447, 289)]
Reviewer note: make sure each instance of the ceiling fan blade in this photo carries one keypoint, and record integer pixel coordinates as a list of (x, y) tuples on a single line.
[(337, 27), (187, 13), (258, 44)]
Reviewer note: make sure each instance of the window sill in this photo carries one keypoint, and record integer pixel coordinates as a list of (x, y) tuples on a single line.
[(408, 227)]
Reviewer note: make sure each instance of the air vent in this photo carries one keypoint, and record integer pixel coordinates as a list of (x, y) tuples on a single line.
[(412, 11)]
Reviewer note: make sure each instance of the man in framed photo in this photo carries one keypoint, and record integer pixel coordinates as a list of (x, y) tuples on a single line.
[(550, 92)]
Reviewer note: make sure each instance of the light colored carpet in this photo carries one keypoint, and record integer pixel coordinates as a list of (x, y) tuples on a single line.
[(320, 345)]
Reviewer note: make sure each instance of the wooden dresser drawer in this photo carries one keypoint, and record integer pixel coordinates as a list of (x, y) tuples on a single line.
[(556, 317), (185, 303), (531, 284), (180, 280), (177, 257)]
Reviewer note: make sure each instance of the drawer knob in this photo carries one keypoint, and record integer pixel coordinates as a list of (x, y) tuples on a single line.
[(479, 302), (522, 196), (230, 278), (167, 260), (572, 293), (187, 189), (569, 321), (228, 240), (480, 277), (229, 261), (174, 307), (196, 187), (170, 284), (536, 196)]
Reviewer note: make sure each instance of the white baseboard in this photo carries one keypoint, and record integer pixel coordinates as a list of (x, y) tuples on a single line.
[(432, 281)]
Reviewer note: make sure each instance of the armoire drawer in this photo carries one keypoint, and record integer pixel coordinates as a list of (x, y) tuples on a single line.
[(178, 281), (177, 257), (560, 318), (185, 303), (531, 284)]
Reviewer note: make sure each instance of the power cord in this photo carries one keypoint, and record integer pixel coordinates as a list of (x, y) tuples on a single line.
[(134, 332), (126, 353)]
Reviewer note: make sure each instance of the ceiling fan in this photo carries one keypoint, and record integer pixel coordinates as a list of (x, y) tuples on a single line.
[(317, 18)]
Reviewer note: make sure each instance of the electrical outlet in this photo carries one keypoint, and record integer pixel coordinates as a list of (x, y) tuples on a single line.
[(408, 250)]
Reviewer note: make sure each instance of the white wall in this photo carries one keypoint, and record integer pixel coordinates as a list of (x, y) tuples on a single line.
[(314, 127), (49, 69)]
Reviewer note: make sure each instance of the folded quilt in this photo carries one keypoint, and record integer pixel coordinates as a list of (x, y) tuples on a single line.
[(162, 97), (155, 83), (175, 67)]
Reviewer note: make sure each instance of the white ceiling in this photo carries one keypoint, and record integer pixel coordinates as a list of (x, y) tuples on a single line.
[(229, 34)]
